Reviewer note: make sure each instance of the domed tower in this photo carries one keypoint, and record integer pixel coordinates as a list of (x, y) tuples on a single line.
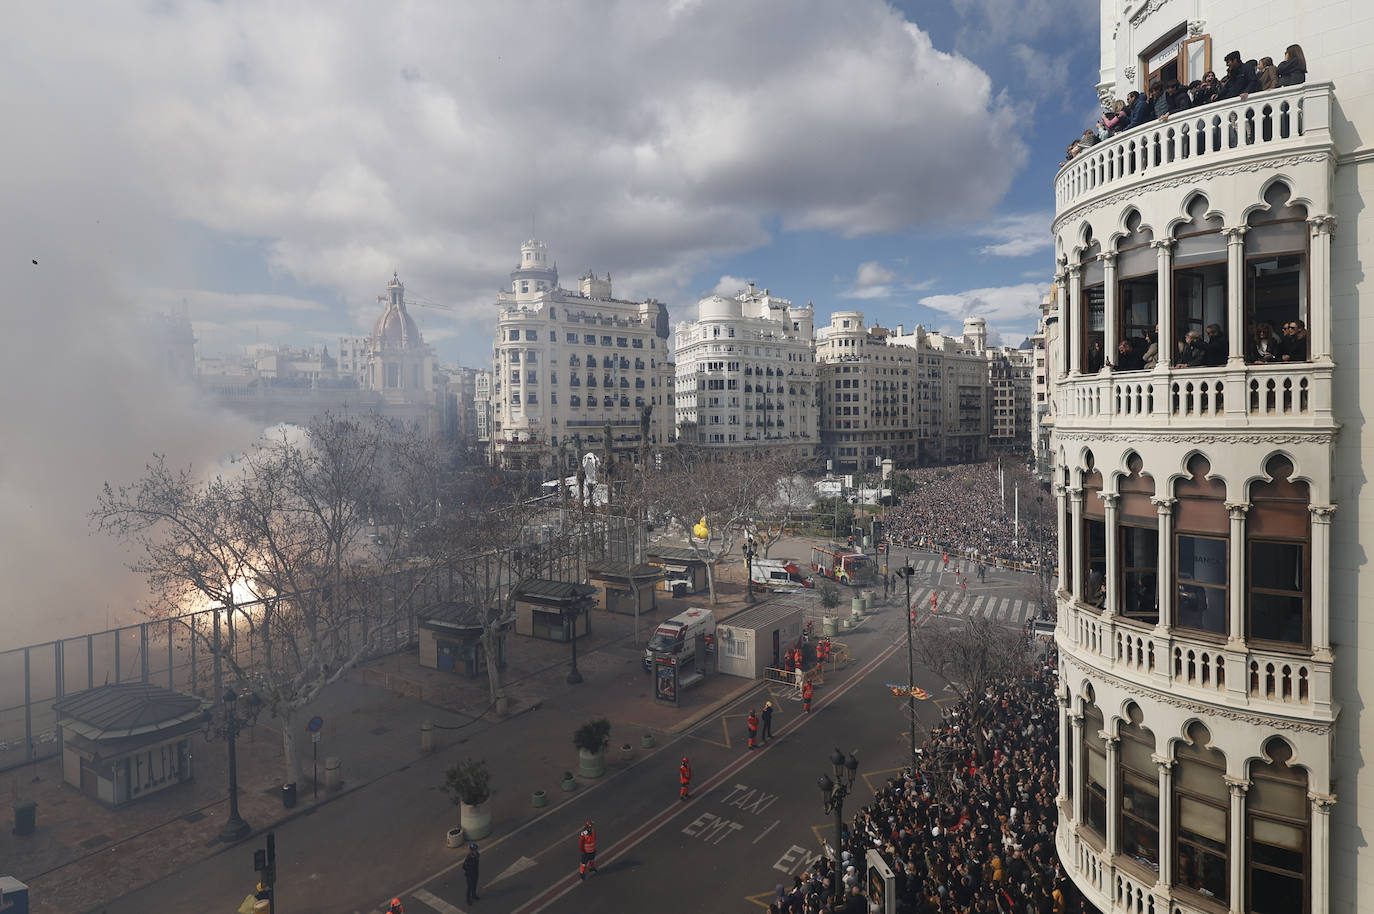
[(395, 356), (535, 273), (396, 329), (976, 333)]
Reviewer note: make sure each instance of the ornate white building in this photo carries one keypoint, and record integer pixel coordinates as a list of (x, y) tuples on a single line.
[(745, 376), (1212, 552), (567, 364)]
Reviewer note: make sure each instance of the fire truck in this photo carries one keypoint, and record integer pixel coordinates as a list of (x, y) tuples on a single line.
[(852, 568)]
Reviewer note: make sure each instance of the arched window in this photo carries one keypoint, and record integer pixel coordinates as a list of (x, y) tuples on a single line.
[(1139, 777), (1276, 270), (1137, 295), (1277, 833), (1278, 558), (1201, 550), (1202, 816), (1138, 539), (1199, 272), (1068, 570), (1094, 538), (1092, 301), (1095, 772)]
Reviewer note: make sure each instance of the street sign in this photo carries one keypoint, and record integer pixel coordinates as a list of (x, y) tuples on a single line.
[(315, 736), (316, 723)]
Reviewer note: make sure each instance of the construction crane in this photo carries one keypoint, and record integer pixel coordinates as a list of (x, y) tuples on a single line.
[(418, 302)]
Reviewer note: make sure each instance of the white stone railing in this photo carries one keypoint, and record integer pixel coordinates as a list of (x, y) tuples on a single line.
[(1132, 896), (1266, 681), (1266, 123)]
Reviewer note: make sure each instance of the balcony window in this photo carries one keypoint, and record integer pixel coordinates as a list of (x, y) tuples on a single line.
[(1276, 267), (1138, 536), (1276, 833), (1095, 772), (1137, 295), (1199, 271), (1278, 557), (1201, 551), (1202, 805), (1094, 572), (1138, 829)]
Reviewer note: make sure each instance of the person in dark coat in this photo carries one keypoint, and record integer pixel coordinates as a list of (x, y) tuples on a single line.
[(1127, 358), (1292, 70), (767, 720), (1175, 99), (1293, 346), (1141, 108), (1240, 79), (470, 865), (1192, 354), (1215, 343)]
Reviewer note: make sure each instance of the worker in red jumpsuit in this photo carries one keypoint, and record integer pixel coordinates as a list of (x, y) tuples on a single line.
[(807, 692), (684, 775), (934, 603), (586, 844), (753, 724)]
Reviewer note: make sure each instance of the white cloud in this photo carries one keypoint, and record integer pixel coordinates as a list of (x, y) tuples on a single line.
[(872, 273), (203, 303), (1017, 235), (1009, 306), (729, 286), (873, 281)]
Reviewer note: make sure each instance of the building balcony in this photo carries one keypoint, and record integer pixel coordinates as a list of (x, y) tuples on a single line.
[(1289, 684), (1188, 399), (1236, 134)]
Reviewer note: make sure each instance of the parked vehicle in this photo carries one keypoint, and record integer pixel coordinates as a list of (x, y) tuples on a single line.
[(678, 638), (837, 564), (781, 573)]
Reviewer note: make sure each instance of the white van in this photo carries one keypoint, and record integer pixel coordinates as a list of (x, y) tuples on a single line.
[(783, 574), (677, 637)]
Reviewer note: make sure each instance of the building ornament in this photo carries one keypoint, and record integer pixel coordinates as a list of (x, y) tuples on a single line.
[(1149, 694), (1129, 73), (1321, 514), (1196, 27), (1184, 437), (1076, 495), (1144, 12), (1108, 259), (1106, 94), (1237, 509), (1238, 786), (1164, 244), (1190, 181), (1110, 500), (1321, 802), (1322, 225), (1164, 504), (1109, 739), (1165, 763), (1235, 234)]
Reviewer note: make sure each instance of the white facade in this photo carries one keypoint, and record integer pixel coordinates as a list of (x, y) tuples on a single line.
[(1213, 564), (567, 364), (745, 376), (952, 392), (867, 409)]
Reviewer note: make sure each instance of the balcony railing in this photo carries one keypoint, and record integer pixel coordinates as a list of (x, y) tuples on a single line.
[(1267, 681), (1202, 396), (1281, 120)]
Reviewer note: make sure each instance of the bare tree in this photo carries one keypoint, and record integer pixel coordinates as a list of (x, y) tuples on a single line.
[(791, 496), (970, 655), (280, 544)]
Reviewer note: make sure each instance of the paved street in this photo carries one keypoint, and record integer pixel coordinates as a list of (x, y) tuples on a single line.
[(756, 817)]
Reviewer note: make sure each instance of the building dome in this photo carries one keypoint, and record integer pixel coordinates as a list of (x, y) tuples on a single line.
[(396, 328)]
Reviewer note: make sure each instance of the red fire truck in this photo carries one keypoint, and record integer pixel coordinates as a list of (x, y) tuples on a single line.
[(852, 568)]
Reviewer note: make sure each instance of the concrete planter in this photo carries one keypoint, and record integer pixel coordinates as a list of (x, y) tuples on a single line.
[(627, 752), (476, 820), (591, 764), (828, 626), (454, 837), (646, 741), (569, 784), (539, 798)]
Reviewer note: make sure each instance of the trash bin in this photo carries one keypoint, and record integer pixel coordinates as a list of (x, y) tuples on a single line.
[(680, 590), (828, 626), (25, 817), (288, 795)]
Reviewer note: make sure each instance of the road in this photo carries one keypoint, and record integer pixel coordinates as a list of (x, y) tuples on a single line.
[(755, 819)]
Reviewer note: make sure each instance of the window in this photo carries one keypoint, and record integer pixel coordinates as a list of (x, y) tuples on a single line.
[(1095, 773), (1201, 551), (1276, 264), (1202, 815), (622, 342), (605, 341), (1199, 272), (1137, 293), (1138, 830), (1138, 552), (589, 339), (1094, 539), (572, 338), (1276, 833), (1277, 560)]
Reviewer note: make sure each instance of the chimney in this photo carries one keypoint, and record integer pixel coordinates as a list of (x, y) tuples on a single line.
[(751, 288), (901, 331)]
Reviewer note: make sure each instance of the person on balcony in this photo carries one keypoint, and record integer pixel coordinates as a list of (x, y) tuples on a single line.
[(1150, 357), (1292, 70), (1096, 357), (1174, 99), (1267, 74), (1293, 346), (1216, 345), (1192, 353), (1240, 80), (1128, 357), (1264, 346), (1206, 92), (1115, 121), (1141, 108)]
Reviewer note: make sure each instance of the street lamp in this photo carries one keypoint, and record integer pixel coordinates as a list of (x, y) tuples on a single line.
[(228, 727), (750, 550), (574, 677), (906, 571), (833, 793), (1043, 559)]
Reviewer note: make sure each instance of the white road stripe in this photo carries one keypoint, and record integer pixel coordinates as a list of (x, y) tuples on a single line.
[(435, 902), (1007, 608)]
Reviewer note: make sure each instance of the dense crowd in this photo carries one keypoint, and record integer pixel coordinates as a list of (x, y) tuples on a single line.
[(959, 509), (1243, 78), (973, 838)]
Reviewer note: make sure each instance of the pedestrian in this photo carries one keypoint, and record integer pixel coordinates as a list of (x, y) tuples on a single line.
[(767, 720), (684, 774), (807, 691), (982, 573), (395, 907), (945, 555), (753, 724), (934, 603), (586, 845), (963, 582), (470, 864)]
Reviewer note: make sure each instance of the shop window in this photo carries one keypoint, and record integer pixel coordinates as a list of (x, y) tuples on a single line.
[(1202, 804), (1277, 834), (1201, 551), (1138, 826), (1278, 558)]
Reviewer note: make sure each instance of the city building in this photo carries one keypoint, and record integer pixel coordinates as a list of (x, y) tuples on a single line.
[(1009, 400), (1046, 343), (867, 411), (568, 364), (1209, 438), (481, 401), (952, 392), (745, 378)]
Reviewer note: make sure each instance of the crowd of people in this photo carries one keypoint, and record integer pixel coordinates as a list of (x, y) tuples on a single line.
[(1242, 79), (1208, 347), (976, 837), (961, 510)]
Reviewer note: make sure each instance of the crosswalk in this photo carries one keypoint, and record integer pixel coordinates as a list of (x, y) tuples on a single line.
[(935, 577)]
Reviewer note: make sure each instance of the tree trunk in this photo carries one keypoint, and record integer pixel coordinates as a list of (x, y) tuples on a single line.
[(711, 581), (288, 745), (490, 647)]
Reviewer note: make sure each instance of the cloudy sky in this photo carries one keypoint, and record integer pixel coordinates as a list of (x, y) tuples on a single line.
[(270, 164)]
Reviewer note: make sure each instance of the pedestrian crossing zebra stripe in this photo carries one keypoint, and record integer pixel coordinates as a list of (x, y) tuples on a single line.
[(1007, 609)]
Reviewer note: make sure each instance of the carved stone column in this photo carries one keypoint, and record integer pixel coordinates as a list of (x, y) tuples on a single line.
[(1113, 790), (1164, 270), (1076, 586), (1109, 315), (1321, 850), (1164, 586), (1066, 730), (1320, 229), (1076, 790), (1238, 788), (1113, 579), (1235, 596), (1320, 598), (1166, 822), (1061, 508), (1235, 292), (1071, 328)]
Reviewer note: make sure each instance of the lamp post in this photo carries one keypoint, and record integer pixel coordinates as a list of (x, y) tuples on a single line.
[(574, 677), (1042, 560), (750, 550), (906, 571), (234, 827), (833, 793)]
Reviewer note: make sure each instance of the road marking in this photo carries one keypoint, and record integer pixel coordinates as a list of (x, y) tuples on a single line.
[(520, 865), (766, 831), (435, 902), (569, 882), (1003, 613)]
